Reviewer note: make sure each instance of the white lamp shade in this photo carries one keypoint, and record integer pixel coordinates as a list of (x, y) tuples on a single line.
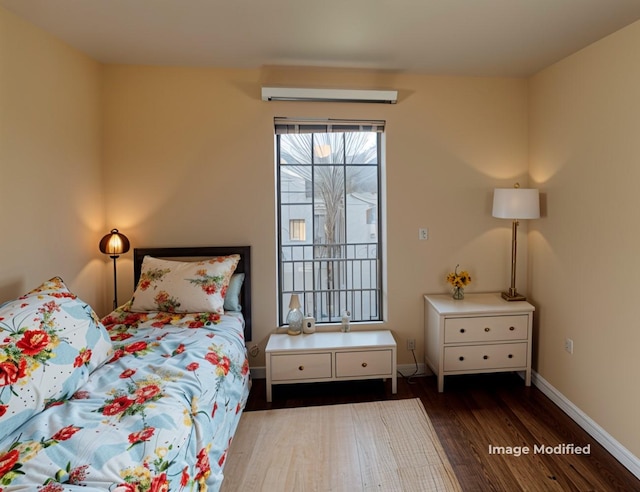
[(294, 302), (516, 203)]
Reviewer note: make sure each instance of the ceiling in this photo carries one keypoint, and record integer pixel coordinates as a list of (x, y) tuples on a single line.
[(455, 37)]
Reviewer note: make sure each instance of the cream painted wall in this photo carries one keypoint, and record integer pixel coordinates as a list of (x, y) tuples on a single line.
[(585, 152), (189, 160), (51, 203)]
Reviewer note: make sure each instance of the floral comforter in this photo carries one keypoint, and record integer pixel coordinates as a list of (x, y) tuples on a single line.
[(158, 416)]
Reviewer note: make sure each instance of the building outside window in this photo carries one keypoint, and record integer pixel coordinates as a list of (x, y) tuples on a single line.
[(329, 200)]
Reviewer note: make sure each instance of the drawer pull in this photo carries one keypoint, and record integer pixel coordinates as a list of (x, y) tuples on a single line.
[(364, 364), (487, 329), (511, 328), (461, 358), (485, 357), (462, 330), (301, 368)]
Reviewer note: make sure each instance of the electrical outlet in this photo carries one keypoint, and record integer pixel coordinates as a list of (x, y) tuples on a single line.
[(411, 344), (568, 345), (423, 234)]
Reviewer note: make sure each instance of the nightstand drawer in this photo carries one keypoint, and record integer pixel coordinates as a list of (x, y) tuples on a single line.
[(483, 357), (292, 367), (365, 363), (486, 329)]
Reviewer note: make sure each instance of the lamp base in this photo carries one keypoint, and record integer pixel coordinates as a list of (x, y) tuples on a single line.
[(513, 296)]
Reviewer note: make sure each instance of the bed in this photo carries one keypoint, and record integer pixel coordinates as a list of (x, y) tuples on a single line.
[(146, 399)]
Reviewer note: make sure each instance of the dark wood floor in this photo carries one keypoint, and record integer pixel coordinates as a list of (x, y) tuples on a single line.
[(473, 413)]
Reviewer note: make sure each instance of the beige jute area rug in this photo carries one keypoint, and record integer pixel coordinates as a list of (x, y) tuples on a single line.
[(382, 446)]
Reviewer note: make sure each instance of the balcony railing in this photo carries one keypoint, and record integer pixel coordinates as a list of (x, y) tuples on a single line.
[(331, 279)]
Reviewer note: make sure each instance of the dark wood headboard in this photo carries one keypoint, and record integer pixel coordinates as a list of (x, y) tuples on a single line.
[(195, 253)]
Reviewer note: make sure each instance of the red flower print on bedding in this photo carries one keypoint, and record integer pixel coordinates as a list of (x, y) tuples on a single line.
[(202, 464), (49, 307), (202, 319), (165, 302), (7, 461), (81, 395), (120, 337), (121, 323), (65, 433), (161, 319), (63, 295), (78, 475), (117, 405), (222, 363), (146, 393), (52, 487), (151, 276), (210, 284), (159, 483), (141, 436), (134, 399), (127, 487), (136, 349), (83, 358), (138, 346), (184, 479), (127, 373), (33, 342), (11, 371)]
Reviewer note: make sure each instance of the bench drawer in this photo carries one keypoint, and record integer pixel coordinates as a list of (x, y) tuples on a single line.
[(290, 367), (364, 363)]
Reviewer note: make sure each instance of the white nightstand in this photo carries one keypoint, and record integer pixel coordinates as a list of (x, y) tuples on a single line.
[(331, 356), (481, 333)]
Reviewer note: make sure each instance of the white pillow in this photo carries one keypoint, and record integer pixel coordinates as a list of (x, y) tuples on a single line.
[(183, 287)]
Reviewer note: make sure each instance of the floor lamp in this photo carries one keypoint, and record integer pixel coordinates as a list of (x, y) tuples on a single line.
[(114, 244), (516, 204)]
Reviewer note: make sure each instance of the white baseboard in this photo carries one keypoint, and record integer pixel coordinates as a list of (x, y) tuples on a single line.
[(405, 369), (258, 373), (408, 370), (622, 454)]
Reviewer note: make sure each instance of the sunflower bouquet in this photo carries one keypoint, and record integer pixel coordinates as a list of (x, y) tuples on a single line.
[(459, 280)]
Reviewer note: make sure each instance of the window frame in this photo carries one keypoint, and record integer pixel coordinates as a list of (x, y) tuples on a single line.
[(377, 302)]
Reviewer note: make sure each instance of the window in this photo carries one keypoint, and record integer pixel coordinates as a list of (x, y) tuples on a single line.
[(297, 230), (329, 241)]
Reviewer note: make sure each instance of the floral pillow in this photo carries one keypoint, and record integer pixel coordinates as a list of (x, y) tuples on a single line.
[(184, 287), (50, 341)]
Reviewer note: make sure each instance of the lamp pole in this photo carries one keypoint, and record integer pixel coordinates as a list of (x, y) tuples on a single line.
[(115, 283), (512, 294)]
